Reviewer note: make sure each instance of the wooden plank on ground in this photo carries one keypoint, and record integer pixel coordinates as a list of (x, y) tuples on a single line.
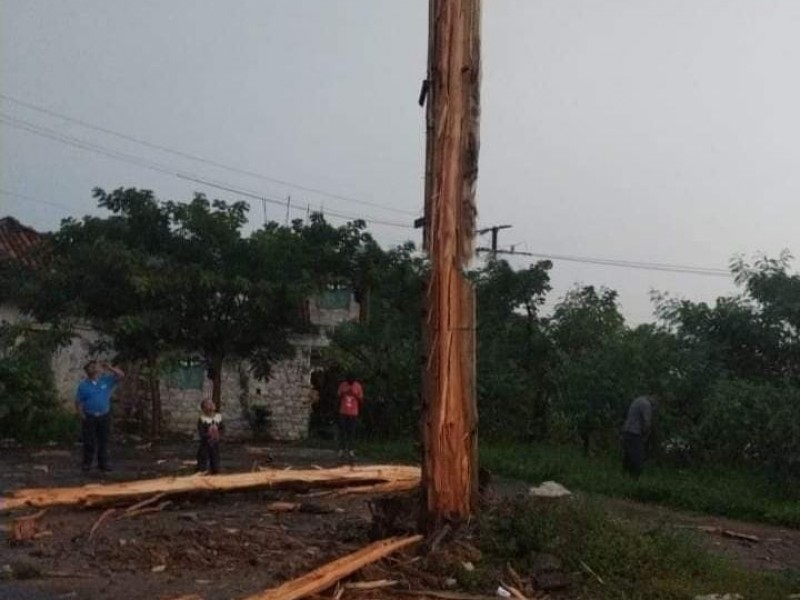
[(398, 476), (328, 574)]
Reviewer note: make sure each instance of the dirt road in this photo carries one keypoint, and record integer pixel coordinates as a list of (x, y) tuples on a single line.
[(224, 546)]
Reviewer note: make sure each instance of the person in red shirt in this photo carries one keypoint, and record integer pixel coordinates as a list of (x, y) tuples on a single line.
[(351, 397)]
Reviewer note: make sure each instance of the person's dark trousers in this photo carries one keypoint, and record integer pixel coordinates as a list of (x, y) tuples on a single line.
[(208, 456), (633, 454), (347, 432), (95, 439)]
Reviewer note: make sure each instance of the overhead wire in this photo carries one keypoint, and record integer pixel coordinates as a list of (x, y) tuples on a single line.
[(200, 159), (88, 146), (5, 192), (85, 145), (642, 265)]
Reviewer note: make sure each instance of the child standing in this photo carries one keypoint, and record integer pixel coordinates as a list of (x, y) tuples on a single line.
[(209, 428)]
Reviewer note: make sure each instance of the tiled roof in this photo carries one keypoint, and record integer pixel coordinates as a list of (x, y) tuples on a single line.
[(17, 241)]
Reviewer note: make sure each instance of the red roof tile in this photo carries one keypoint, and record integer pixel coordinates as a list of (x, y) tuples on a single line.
[(17, 241)]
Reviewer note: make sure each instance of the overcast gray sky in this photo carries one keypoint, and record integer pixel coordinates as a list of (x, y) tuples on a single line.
[(655, 130)]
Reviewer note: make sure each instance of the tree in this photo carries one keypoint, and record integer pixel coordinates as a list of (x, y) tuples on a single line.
[(513, 350), (229, 298), (107, 272), (776, 293), (384, 349), (587, 329), (171, 277)]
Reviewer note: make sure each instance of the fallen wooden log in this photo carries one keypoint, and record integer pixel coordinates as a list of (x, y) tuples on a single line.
[(382, 477), (327, 575)]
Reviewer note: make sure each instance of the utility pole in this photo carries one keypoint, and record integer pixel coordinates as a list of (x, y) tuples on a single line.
[(449, 415), (494, 229), (288, 208)]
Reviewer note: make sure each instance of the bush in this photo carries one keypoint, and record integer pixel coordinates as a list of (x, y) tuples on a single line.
[(755, 423), (653, 563), (29, 409)]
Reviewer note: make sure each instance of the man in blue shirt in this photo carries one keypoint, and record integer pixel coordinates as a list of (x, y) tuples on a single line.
[(93, 401)]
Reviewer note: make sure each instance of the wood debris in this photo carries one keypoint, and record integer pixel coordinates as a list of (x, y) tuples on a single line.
[(515, 593), (736, 535), (303, 507), (445, 595), (328, 574), (26, 528), (592, 572), (379, 477), (106, 514), (371, 585), (143, 503), (146, 511)]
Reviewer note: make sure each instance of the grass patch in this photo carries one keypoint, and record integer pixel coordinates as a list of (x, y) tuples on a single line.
[(633, 565), (717, 491)]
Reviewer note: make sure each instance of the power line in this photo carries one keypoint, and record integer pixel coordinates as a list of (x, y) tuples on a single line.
[(81, 144), (30, 199), (194, 157), (297, 208), (642, 265)]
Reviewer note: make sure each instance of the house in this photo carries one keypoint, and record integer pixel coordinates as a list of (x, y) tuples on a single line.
[(283, 403), (287, 399), (16, 244)]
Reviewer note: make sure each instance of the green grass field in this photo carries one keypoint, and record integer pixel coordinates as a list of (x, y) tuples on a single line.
[(719, 491), (658, 563), (609, 559)]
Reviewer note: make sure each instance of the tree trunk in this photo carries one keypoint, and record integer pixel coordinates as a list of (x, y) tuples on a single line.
[(449, 419), (216, 382), (364, 304), (154, 388)]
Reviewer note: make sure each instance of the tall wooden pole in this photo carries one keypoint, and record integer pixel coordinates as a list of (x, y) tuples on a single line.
[(449, 419)]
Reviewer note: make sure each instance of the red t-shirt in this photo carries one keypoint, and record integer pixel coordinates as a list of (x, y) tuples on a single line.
[(350, 398)]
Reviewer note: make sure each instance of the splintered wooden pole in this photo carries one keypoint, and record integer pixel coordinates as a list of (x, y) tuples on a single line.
[(449, 418), (371, 478)]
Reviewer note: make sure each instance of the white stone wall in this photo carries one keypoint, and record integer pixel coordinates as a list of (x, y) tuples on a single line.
[(288, 397), (68, 363), (180, 408)]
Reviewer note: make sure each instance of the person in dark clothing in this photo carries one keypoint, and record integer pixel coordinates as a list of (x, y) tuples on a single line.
[(635, 431), (93, 402), (209, 428)]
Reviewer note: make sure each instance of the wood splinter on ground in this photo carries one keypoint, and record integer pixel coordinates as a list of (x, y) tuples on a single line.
[(736, 535), (26, 528), (106, 514), (376, 478), (328, 574)]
